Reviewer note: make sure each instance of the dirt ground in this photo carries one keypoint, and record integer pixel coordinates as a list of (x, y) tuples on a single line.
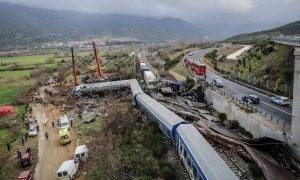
[(51, 152)]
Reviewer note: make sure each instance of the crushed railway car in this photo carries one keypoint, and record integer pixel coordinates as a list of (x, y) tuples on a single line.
[(200, 159), (149, 77), (199, 69), (100, 87)]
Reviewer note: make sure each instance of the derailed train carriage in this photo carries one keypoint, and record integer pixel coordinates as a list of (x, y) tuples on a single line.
[(199, 158), (197, 68)]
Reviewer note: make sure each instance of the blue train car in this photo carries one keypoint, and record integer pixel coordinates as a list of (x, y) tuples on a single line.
[(166, 119), (175, 86), (135, 88), (200, 159)]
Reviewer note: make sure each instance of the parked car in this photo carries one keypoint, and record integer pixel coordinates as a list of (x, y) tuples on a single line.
[(280, 100), (81, 153), (26, 159), (64, 123), (67, 170), (26, 175), (32, 130), (252, 99), (31, 122), (218, 82)]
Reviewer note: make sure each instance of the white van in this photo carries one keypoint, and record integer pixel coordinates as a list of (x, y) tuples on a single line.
[(67, 170), (81, 153), (64, 122)]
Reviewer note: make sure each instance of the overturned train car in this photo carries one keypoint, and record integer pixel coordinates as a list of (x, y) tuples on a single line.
[(199, 158)]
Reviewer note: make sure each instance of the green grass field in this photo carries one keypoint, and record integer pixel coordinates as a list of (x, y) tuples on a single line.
[(10, 91), (15, 74), (25, 60), (13, 83), (4, 133)]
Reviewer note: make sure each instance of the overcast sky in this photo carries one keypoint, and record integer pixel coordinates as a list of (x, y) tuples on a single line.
[(197, 11)]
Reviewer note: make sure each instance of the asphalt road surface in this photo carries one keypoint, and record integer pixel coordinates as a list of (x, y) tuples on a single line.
[(281, 113)]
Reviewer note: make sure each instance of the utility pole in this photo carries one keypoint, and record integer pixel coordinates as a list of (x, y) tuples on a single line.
[(74, 67)]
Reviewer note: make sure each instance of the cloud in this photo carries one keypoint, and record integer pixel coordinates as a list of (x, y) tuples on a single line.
[(209, 11), (237, 6)]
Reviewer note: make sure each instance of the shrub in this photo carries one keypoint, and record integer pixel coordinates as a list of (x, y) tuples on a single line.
[(244, 132), (166, 170), (170, 64), (16, 66), (212, 55), (222, 117), (49, 60), (234, 124)]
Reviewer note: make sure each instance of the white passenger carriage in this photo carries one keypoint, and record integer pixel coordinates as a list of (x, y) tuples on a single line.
[(200, 159), (165, 118)]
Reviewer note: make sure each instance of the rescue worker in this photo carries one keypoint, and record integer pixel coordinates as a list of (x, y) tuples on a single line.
[(46, 135), (26, 136), (22, 140), (19, 153), (8, 146), (45, 122)]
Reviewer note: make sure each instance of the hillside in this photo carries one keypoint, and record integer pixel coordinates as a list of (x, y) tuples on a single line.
[(266, 65), (288, 29), (22, 26)]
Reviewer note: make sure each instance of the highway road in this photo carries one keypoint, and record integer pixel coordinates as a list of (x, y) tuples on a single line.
[(282, 113)]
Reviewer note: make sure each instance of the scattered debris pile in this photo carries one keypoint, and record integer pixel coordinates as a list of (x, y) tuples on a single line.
[(247, 158), (122, 142)]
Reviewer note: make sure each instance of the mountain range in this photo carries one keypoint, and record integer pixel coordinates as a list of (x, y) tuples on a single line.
[(26, 27), (291, 29), (21, 26)]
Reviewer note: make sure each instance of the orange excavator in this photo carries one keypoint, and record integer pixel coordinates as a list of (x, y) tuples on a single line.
[(98, 63)]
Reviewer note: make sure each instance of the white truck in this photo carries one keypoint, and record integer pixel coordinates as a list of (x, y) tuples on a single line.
[(81, 153), (64, 123), (67, 170)]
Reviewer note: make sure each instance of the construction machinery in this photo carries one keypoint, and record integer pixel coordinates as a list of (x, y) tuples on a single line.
[(74, 67), (98, 62), (64, 136)]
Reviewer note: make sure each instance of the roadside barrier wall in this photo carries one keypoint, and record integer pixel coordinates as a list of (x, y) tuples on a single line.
[(255, 123)]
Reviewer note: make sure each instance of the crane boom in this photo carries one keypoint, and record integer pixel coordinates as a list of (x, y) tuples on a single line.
[(74, 67), (98, 62)]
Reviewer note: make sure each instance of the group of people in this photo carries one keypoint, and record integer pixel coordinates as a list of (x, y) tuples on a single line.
[(23, 140)]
